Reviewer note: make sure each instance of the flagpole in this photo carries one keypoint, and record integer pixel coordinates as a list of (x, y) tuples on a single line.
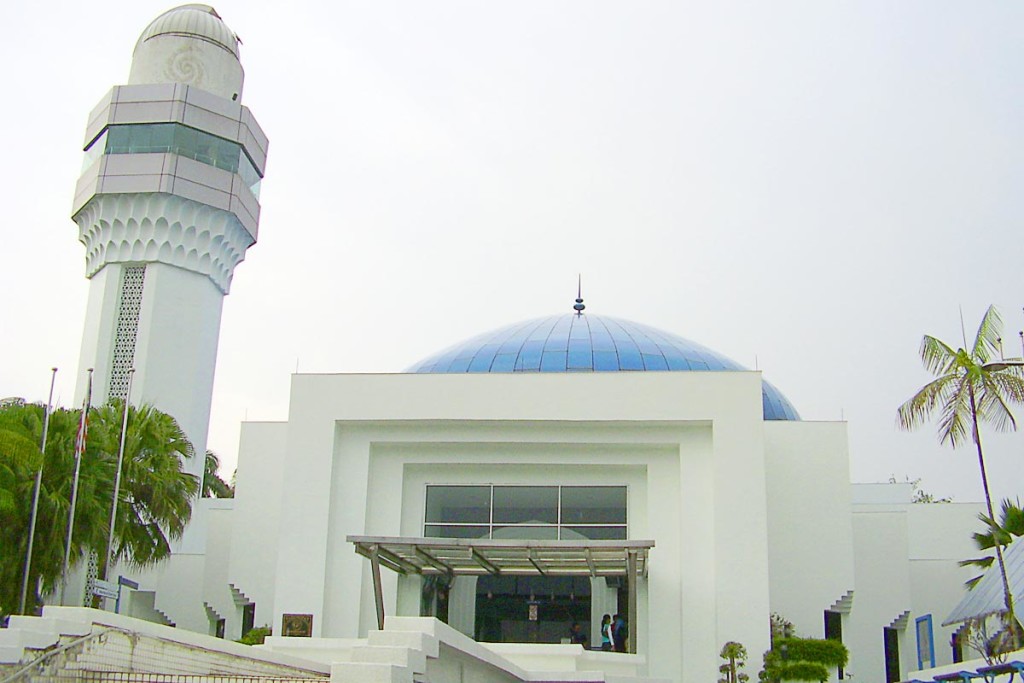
[(79, 451), (35, 498), (117, 477)]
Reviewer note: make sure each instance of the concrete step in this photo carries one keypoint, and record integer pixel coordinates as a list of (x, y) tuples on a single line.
[(417, 640), (361, 672), (11, 654), (64, 627), (387, 654), (34, 640)]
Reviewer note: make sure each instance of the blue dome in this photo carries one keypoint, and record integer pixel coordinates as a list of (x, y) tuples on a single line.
[(589, 343)]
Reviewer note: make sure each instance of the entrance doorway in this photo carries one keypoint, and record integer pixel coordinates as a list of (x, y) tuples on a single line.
[(531, 609)]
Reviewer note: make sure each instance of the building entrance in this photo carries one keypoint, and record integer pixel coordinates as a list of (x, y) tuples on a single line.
[(531, 609)]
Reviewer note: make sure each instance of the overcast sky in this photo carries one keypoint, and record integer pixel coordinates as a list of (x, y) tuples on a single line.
[(804, 186)]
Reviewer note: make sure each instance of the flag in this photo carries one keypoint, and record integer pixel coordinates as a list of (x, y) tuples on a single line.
[(83, 429)]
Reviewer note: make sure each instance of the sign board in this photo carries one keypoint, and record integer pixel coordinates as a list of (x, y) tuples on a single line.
[(104, 589), (134, 585), (297, 625)]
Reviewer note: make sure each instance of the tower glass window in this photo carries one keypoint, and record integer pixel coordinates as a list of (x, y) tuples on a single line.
[(175, 138)]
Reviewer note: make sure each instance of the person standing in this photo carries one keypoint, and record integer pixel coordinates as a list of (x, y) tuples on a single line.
[(620, 631), (577, 636), (606, 633)]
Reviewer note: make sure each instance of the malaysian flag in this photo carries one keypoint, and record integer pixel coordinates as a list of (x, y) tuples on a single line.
[(83, 426), (83, 429)]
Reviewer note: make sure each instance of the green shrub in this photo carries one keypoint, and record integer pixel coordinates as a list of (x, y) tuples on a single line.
[(255, 636), (831, 653), (802, 659)]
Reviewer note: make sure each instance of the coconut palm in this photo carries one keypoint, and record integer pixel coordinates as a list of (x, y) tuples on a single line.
[(1009, 526), (968, 389), (20, 459), (155, 499), (213, 485)]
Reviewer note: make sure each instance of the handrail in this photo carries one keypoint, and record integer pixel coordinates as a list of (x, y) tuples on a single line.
[(54, 652)]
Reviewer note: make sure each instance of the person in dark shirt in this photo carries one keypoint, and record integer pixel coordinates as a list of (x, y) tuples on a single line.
[(576, 634), (619, 632)]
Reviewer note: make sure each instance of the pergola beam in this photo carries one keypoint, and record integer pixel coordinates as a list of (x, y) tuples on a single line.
[(433, 561), (590, 562), (483, 562)]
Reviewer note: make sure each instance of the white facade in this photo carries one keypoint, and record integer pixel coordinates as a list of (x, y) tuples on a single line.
[(748, 516)]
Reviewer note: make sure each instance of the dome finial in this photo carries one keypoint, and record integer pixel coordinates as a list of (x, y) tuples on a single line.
[(578, 307)]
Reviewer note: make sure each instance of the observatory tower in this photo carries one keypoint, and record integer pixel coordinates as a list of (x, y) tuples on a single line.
[(166, 207)]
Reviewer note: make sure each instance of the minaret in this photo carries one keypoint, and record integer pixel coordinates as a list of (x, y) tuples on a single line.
[(166, 207)]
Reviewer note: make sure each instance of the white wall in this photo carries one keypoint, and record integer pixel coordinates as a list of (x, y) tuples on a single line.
[(354, 442), (258, 501), (810, 534)]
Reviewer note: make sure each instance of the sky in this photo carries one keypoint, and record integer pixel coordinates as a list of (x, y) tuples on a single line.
[(805, 187)]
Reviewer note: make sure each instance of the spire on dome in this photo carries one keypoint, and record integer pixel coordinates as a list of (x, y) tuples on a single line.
[(578, 307)]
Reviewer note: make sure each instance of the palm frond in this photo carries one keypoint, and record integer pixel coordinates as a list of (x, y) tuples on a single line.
[(919, 407), (955, 411), (992, 408), (937, 356), (1009, 384), (986, 341)]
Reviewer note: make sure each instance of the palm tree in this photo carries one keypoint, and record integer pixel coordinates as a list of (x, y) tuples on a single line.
[(1009, 526), (155, 500), (966, 391), (20, 459), (213, 485)]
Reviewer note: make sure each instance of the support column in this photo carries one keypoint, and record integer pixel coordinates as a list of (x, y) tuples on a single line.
[(631, 583), (378, 590)]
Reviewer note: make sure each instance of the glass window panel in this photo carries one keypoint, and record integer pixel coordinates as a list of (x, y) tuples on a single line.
[(481, 362), (139, 138), (581, 359), (606, 360), (629, 358), (601, 338), (118, 139), (185, 141), (458, 504), (459, 365), (530, 533), (676, 361), (646, 345), (162, 139), (580, 334), (525, 504), (654, 362), (504, 362), (553, 361), (593, 505), (529, 357), (204, 150), (226, 155), (452, 531), (543, 330), (595, 533), (95, 150)]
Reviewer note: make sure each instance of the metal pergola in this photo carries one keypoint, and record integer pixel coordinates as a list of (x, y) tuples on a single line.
[(453, 557)]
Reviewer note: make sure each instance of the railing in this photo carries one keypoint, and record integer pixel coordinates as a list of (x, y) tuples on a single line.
[(120, 656)]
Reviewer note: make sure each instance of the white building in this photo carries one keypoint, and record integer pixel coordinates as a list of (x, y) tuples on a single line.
[(539, 431), (528, 456)]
